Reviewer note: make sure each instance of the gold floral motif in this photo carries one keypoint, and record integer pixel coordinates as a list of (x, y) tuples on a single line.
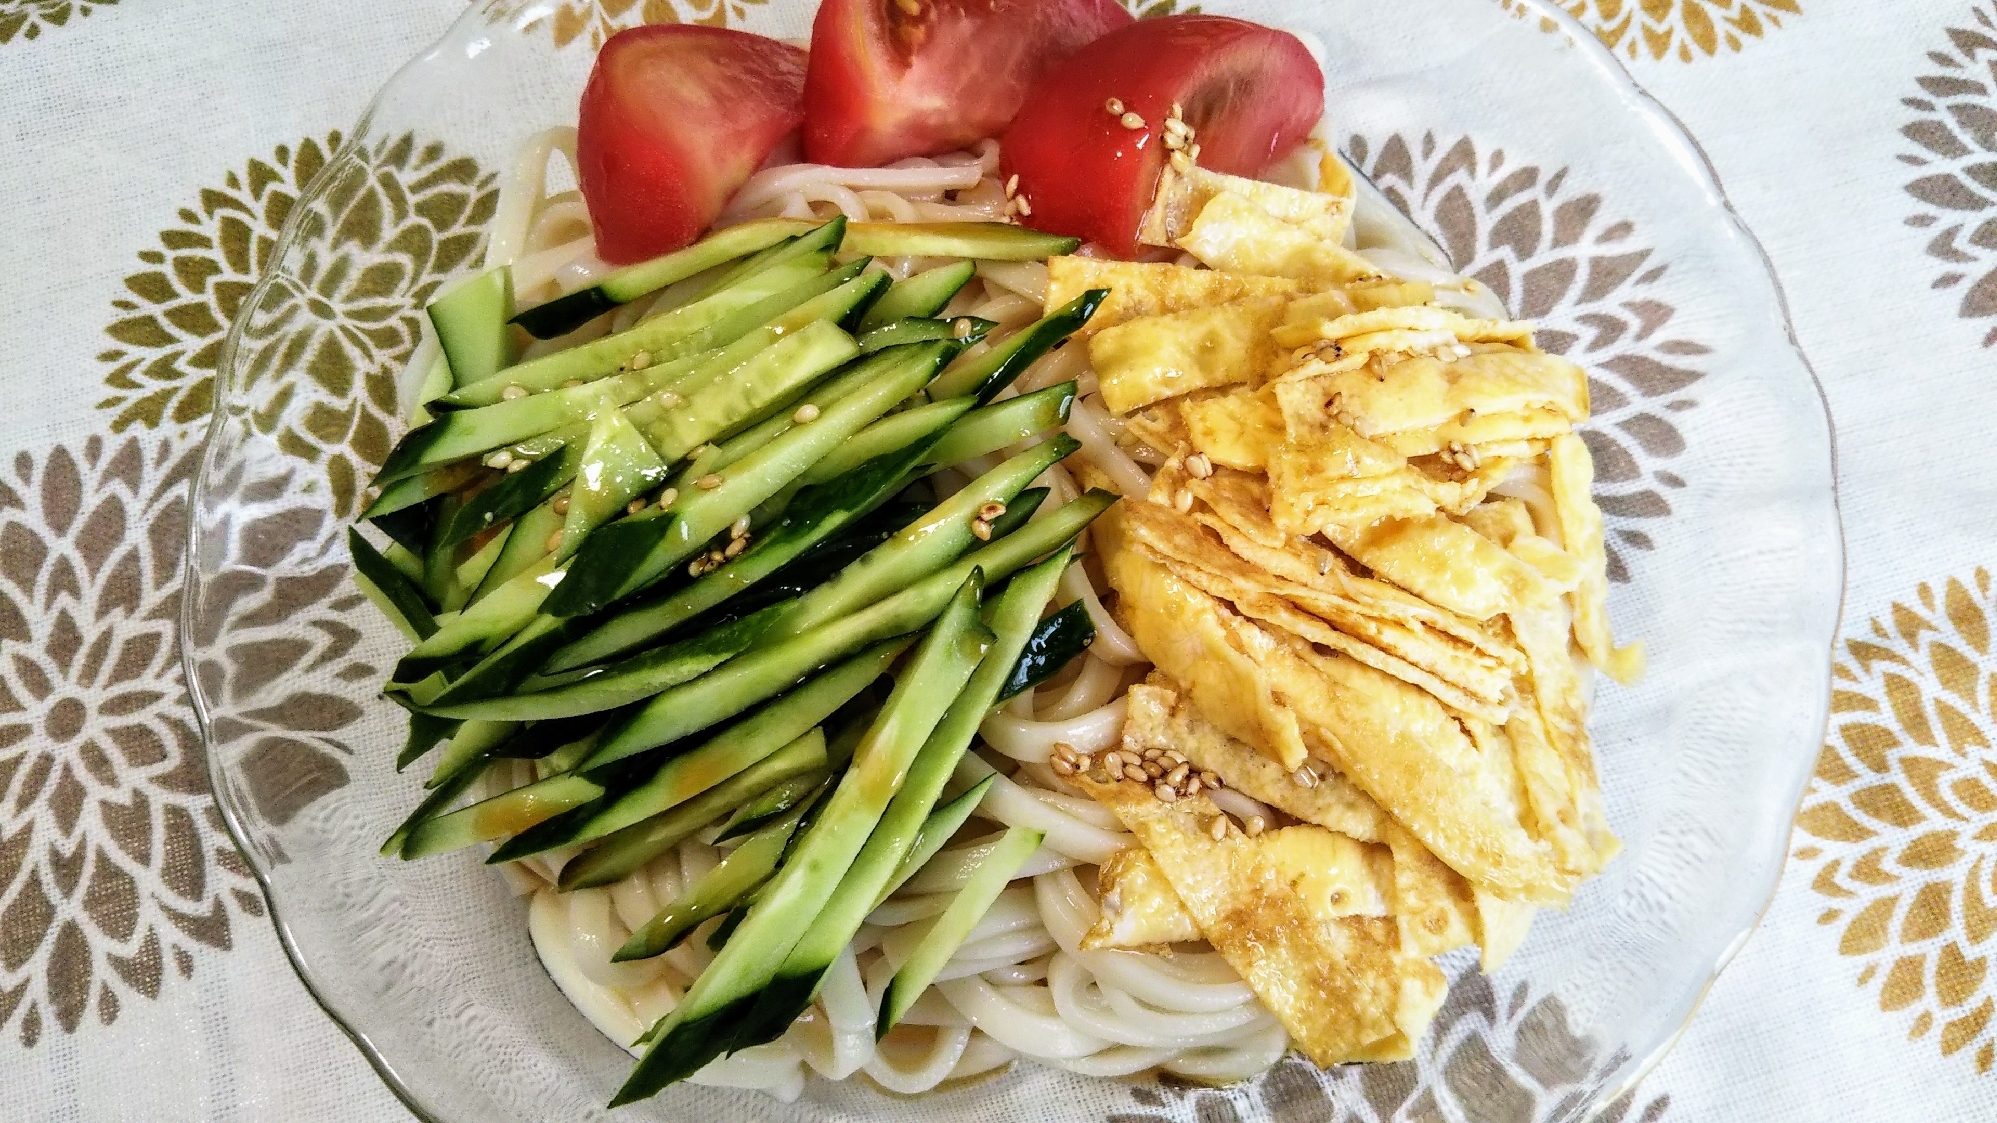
[(1900, 825), (1685, 29), (25, 19), (1560, 256), (1956, 131), (403, 218)]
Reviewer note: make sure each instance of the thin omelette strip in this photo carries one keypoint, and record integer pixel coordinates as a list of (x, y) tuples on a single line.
[(1559, 699), (1151, 358), (1233, 234), (1183, 193), (1150, 289), (1235, 430), (1185, 633), (1140, 909), (1309, 327), (1573, 472), (1272, 907), (1550, 810), (1446, 563), (1501, 928), (1435, 907)]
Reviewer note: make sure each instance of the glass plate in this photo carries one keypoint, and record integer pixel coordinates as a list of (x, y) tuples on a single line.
[(1504, 130)]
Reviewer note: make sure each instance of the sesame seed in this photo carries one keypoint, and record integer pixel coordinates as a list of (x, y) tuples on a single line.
[(519, 466), (1174, 141), (1193, 153), (1178, 111), (739, 528), (513, 393), (561, 503), (572, 384), (1113, 759), (1183, 502), (499, 459), (1181, 163), (1135, 774), (1217, 828), (1176, 126), (635, 506), (981, 530), (1174, 756), (735, 547), (1199, 465), (962, 328), (641, 360), (806, 414), (1193, 787), (1012, 185), (990, 511), (1153, 754), (1179, 774), (1324, 565), (695, 568), (1064, 766), (1025, 208), (554, 541), (1304, 777), (1131, 121), (708, 482), (1211, 779), (1166, 793), (669, 496), (1255, 825), (669, 400), (698, 451), (1154, 770)]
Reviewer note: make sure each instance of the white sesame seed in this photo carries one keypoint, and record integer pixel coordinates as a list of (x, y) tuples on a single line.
[(981, 530), (572, 384), (1114, 106), (1025, 208), (1324, 565), (669, 496), (1211, 779), (708, 482), (1131, 121), (1154, 770), (1193, 153), (669, 400), (735, 547), (1179, 774), (499, 459), (519, 466), (1178, 111), (1153, 754), (1174, 141), (635, 506), (1304, 777), (698, 451), (1181, 163), (1064, 766), (641, 360), (1135, 774), (1012, 185), (1183, 502), (554, 541), (962, 328), (1217, 829), (1175, 126), (1193, 786), (1199, 465), (1255, 825), (513, 393), (1166, 793), (990, 511), (561, 504), (739, 528), (806, 414)]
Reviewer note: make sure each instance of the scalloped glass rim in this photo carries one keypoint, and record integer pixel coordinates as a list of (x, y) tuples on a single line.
[(1817, 607)]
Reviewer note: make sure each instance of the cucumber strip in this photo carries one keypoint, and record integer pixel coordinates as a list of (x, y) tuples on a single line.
[(471, 326), (775, 376), (401, 601), (618, 466), (474, 740), (406, 493), (544, 740), (1003, 424), (564, 314), (665, 337), (734, 750), (526, 546), (949, 930), (936, 831), (502, 815), (515, 495), (890, 434), (987, 374), (482, 628), (424, 734), (436, 383), (821, 239), (923, 295), (826, 508), (702, 1026), (444, 791), (759, 674), (720, 936), (1055, 643), (472, 573), (1019, 512), (634, 680), (923, 547), (440, 562), (720, 889), (993, 241), (867, 881), (771, 805), (632, 848), (965, 329), (700, 514)]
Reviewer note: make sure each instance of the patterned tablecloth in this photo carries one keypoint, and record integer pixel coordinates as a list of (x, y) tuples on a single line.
[(150, 149)]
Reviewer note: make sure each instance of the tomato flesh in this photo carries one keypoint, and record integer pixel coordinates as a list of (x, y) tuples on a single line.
[(1250, 93), (675, 118), (896, 78)]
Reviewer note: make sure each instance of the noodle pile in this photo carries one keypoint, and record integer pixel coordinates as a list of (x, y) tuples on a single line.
[(1021, 986)]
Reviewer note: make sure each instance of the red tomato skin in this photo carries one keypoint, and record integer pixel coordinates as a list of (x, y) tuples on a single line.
[(1087, 176), (884, 84), (674, 120)]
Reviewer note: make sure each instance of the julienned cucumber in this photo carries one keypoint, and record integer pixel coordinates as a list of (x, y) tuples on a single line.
[(920, 296), (471, 325), (720, 889), (761, 673), (738, 398), (484, 627), (948, 931), (985, 375), (936, 831), (1003, 424), (400, 599), (564, 314), (966, 329), (868, 880), (514, 495), (886, 436), (1054, 644), (701, 1026), (993, 241), (771, 805), (732, 751), (619, 854)]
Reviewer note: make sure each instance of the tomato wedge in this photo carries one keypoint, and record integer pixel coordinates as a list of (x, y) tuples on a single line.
[(897, 78), (675, 118), (1250, 93)]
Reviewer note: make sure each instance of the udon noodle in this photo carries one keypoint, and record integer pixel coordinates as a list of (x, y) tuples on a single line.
[(1021, 986)]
